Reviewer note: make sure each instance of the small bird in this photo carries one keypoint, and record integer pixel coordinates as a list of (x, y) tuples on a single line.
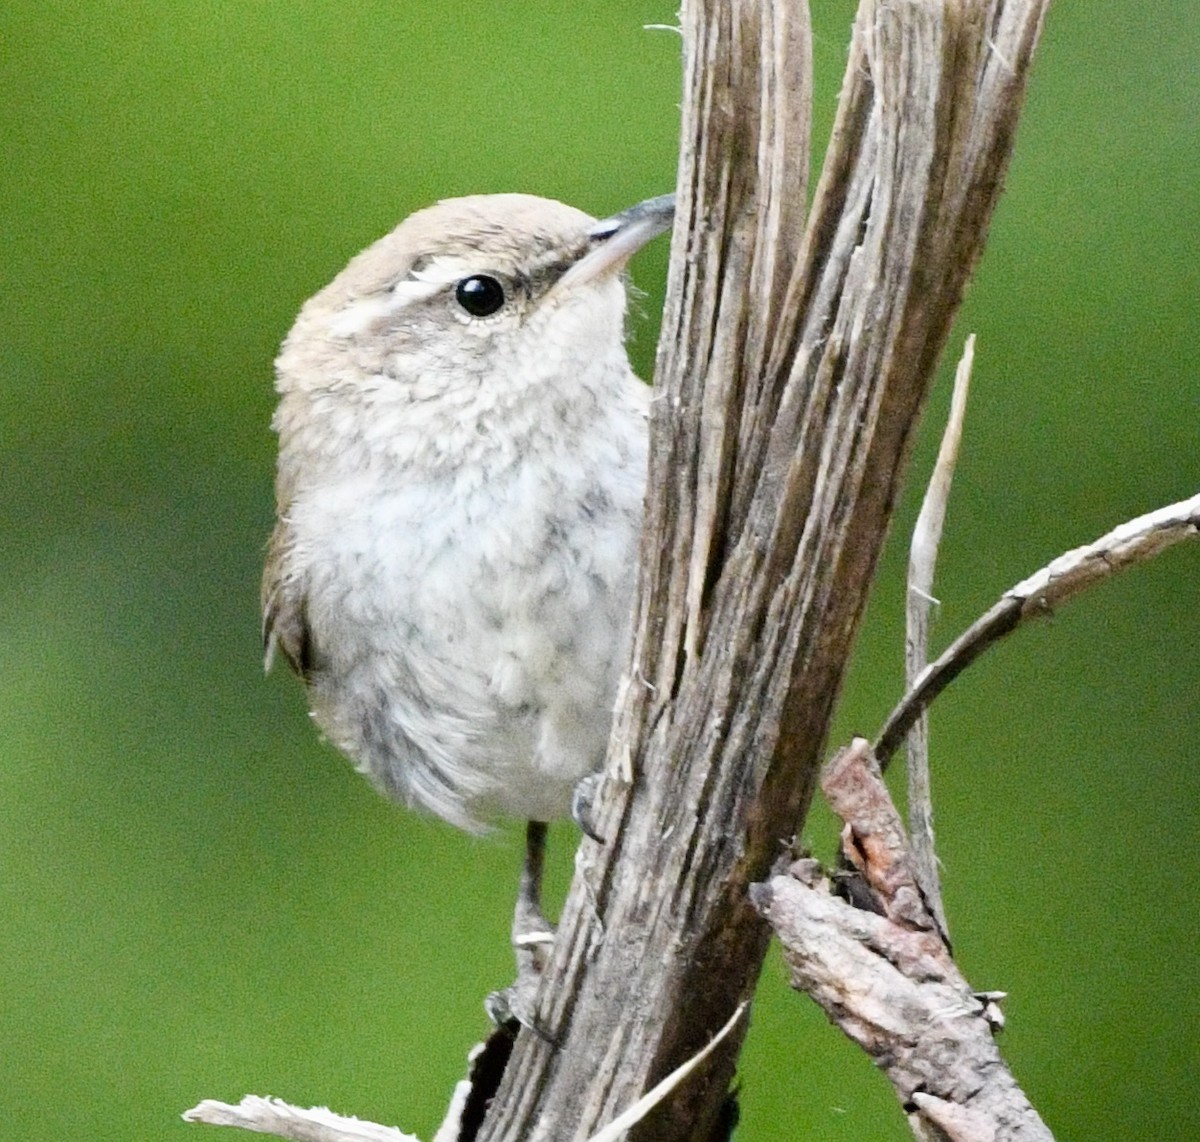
[(462, 465)]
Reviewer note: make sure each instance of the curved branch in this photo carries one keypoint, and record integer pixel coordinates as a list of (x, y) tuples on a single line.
[(1072, 573)]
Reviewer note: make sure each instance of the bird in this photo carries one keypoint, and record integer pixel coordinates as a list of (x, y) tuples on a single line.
[(459, 499)]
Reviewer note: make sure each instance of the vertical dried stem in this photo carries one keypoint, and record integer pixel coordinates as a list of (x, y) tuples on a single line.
[(790, 375), (922, 563)]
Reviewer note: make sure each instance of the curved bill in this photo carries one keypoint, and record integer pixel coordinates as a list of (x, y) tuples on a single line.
[(617, 238)]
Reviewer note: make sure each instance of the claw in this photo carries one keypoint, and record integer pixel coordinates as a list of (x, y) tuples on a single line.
[(583, 806), (512, 1008)]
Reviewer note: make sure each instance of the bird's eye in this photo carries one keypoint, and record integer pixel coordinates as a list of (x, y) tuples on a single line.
[(479, 295)]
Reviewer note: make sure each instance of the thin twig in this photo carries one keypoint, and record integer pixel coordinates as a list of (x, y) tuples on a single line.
[(274, 1116), (1133, 542), (634, 1114), (922, 563)]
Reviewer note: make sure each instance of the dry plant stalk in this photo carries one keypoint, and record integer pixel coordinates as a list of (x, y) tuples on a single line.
[(922, 562), (788, 388)]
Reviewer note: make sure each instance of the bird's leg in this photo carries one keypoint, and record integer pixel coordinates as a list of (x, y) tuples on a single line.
[(532, 937), (532, 934)]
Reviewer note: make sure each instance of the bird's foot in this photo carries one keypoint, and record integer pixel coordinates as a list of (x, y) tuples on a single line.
[(516, 1005), (532, 940)]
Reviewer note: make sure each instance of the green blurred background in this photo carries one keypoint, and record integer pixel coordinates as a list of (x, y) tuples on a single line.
[(198, 899)]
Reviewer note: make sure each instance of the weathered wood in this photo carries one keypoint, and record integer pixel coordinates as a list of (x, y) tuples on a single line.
[(919, 604), (790, 377), (886, 976)]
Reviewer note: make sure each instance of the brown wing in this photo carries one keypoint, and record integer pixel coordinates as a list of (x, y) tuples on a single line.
[(283, 606)]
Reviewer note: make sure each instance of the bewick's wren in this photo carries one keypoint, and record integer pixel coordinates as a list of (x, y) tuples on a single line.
[(462, 457)]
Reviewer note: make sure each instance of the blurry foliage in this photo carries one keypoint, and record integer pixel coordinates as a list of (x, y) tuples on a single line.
[(200, 899)]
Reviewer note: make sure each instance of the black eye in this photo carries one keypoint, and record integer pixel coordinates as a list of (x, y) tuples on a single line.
[(480, 295)]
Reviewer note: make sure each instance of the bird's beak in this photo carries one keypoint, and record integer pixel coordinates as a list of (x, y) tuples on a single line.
[(616, 239)]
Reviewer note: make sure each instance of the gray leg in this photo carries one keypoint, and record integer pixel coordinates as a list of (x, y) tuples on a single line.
[(531, 931), (532, 936)]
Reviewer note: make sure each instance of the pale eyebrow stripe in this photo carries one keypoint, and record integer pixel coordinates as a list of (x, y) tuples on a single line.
[(362, 312), (441, 271)]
